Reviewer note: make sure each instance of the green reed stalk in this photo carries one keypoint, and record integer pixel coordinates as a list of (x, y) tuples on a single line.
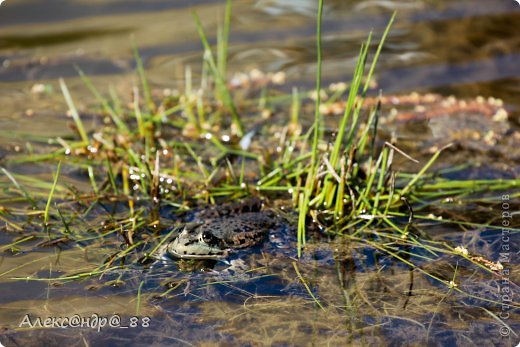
[(309, 183)]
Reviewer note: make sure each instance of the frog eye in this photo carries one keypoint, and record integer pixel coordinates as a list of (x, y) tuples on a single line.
[(207, 237)]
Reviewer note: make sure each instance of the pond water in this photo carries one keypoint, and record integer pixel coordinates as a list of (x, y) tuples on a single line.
[(462, 48)]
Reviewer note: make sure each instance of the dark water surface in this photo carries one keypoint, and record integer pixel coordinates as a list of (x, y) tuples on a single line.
[(462, 48)]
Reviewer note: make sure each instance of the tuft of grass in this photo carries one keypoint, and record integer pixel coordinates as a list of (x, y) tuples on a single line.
[(334, 190)]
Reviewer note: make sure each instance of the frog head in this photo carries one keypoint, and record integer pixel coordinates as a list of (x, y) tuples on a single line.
[(197, 241)]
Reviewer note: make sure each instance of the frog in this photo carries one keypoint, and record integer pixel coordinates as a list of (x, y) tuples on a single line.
[(220, 230)]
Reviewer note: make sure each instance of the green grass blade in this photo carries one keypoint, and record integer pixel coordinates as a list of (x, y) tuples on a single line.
[(74, 112), (92, 178), (111, 176), (318, 87), (227, 98), (422, 171), (150, 106), (303, 205), (378, 51), (223, 41), (104, 102), (20, 188), (47, 206), (306, 285)]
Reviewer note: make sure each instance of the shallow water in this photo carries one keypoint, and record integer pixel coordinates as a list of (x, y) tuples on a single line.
[(464, 48)]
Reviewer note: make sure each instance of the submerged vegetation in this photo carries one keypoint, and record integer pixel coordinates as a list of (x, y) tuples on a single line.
[(206, 144)]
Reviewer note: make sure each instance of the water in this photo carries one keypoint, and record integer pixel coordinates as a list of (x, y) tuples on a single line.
[(464, 48)]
